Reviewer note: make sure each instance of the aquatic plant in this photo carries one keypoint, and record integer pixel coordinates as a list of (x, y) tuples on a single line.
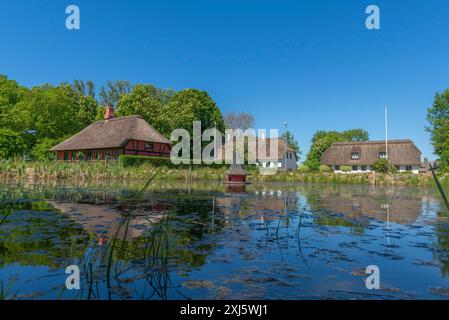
[(439, 187)]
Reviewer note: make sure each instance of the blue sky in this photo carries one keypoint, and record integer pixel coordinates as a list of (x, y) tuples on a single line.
[(311, 63)]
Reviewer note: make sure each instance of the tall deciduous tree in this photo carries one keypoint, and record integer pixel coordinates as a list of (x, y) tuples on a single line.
[(241, 120), (191, 105), (438, 118), (150, 103), (111, 93), (10, 94)]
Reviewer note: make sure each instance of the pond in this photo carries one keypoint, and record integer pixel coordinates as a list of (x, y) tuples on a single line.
[(206, 241)]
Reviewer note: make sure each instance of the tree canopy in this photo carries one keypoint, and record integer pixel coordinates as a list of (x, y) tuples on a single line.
[(438, 118), (35, 119), (291, 142)]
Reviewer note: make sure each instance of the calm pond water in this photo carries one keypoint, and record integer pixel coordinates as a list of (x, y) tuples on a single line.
[(203, 241)]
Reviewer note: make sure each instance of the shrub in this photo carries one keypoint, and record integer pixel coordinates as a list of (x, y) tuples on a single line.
[(393, 169), (312, 164), (303, 169), (129, 160), (41, 150), (345, 168), (324, 168), (381, 165)]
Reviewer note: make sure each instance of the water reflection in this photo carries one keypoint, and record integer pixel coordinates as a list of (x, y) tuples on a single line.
[(208, 241)]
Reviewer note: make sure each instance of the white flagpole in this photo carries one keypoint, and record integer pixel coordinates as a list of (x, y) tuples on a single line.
[(386, 132)]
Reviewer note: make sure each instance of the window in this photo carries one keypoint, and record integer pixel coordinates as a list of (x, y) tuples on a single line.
[(89, 155), (66, 156), (408, 168), (337, 168), (149, 147), (73, 155), (355, 168), (363, 168), (355, 155), (382, 155)]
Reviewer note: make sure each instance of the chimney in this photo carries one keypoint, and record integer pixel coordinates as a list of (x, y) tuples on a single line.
[(108, 113)]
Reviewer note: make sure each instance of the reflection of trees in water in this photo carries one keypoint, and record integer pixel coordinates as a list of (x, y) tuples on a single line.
[(36, 233), (442, 243)]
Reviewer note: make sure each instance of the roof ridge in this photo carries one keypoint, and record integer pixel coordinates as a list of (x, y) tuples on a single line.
[(119, 118), (374, 142)]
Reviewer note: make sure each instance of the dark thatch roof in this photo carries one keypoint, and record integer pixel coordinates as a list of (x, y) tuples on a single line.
[(112, 133), (400, 152)]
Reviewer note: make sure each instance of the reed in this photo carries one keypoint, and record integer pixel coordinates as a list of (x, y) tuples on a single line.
[(439, 187), (17, 169)]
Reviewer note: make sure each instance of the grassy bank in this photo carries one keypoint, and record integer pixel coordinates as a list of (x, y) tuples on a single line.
[(48, 171)]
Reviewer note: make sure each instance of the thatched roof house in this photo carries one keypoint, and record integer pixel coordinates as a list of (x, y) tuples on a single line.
[(106, 139), (361, 155), (285, 157)]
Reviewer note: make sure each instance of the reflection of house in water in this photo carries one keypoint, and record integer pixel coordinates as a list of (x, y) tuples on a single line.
[(259, 202), (104, 221), (399, 210)]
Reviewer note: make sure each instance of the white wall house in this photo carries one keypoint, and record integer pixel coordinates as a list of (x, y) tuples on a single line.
[(361, 155), (366, 169), (286, 158), (289, 161)]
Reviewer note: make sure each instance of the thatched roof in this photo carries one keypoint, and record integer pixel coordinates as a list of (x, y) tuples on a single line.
[(400, 152), (112, 133), (283, 147)]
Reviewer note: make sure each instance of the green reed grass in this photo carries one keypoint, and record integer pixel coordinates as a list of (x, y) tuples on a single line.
[(439, 187)]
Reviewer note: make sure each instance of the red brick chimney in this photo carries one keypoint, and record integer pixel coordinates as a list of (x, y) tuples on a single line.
[(108, 113)]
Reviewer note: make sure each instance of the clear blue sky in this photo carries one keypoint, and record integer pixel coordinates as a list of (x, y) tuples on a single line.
[(311, 63)]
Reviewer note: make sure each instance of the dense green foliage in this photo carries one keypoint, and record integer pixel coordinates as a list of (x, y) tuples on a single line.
[(11, 144), (324, 168), (35, 119), (150, 103), (438, 118), (130, 160), (380, 165), (322, 140)]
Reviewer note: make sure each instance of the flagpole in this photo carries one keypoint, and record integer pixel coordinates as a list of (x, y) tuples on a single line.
[(386, 133)]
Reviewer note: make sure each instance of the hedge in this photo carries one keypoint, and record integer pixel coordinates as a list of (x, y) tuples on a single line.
[(131, 160)]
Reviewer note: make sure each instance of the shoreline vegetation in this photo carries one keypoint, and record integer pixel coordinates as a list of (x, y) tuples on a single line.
[(46, 171)]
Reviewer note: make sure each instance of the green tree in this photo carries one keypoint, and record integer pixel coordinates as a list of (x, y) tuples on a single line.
[(51, 112), (10, 94), (191, 105), (111, 93), (438, 118), (150, 103), (84, 88), (291, 142), (11, 144)]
